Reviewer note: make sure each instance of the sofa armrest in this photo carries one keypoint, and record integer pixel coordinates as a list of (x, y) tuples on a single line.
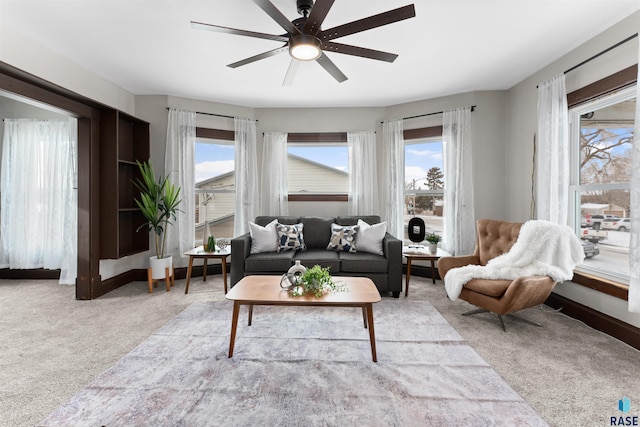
[(240, 250), (447, 263), (392, 248)]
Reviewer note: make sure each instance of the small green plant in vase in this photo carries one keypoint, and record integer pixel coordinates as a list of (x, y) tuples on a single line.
[(433, 239), (210, 244), (316, 280)]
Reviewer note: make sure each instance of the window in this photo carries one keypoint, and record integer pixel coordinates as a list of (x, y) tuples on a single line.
[(602, 135), (318, 168), (424, 183), (215, 187)]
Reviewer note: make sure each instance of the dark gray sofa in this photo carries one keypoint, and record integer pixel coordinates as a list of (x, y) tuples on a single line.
[(385, 270)]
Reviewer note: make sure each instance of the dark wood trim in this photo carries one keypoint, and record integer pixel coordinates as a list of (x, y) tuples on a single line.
[(616, 81), (32, 274), (318, 197), (317, 137), (421, 133), (609, 325), (609, 287), (224, 135), (26, 85)]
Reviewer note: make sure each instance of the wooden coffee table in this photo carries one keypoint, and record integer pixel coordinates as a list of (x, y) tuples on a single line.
[(265, 290)]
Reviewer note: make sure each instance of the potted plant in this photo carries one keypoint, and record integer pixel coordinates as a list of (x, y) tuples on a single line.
[(432, 239), (158, 203), (315, 280)]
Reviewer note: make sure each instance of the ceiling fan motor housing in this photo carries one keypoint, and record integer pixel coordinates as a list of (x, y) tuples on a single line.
[(304, 6)]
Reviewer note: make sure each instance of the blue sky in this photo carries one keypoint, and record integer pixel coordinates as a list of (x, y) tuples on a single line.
[(215, 159)]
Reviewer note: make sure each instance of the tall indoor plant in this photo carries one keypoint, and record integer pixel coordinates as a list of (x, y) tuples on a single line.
[(159, 204)]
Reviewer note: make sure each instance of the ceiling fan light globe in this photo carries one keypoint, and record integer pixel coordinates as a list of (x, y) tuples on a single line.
[(305, 48)]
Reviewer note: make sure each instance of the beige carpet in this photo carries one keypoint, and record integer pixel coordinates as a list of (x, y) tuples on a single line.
[(300, 366), (52, 346)]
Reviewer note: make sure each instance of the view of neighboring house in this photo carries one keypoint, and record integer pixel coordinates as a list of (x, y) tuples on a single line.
[(215, 197)]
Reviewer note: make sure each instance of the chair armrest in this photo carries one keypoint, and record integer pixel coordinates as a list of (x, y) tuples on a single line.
[(240, 250), (447, 263)]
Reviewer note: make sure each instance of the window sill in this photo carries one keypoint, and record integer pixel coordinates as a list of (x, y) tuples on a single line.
[(609, 287)]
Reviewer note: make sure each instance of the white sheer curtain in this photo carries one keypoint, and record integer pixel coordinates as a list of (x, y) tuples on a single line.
[(363, 173), (552, 168), (39, 195), (274, 191), (392, 193), (459, 216), (246, 170), (634, 244), (179, 168)]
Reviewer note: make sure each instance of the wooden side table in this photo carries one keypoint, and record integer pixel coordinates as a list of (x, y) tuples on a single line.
[(422, 255), (199, 252)]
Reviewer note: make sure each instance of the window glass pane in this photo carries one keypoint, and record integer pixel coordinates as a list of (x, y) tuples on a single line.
[(318, 168), (606, 135), (215, 188), (603, 197), (424, 185)]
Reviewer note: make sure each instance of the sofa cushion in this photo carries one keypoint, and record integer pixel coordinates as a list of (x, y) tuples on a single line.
[(269, 261), (362, 262), (353, 220), (317, 231), (290, 237), (343, 238), (263, 239), (289, 220), (370, 237), (321, 257)]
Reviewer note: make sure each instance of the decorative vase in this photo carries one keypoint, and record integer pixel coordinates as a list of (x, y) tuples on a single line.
[(288, 281), (159, 265), (297, 270), (433, 248)]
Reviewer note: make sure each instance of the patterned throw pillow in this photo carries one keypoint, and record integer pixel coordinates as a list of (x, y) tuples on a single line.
[(343, 238), (290, 237)]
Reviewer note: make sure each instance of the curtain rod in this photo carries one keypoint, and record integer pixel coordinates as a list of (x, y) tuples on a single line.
[(473, 107), (602, 53), (212, 114)]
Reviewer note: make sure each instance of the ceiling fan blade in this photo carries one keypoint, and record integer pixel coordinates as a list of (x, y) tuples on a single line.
[(291, 72), (277, 16), (258, 57), (359, 51), (331, 68), (368, 23), (316, 16), (227, 30)]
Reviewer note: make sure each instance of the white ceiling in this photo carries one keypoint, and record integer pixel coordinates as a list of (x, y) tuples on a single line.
[(452, 46)]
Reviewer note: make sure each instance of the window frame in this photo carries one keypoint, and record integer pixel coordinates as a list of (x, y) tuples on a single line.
[(223, 137), (617, 81)]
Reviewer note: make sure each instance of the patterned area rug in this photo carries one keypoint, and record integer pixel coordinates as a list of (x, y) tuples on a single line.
[(300, 366)]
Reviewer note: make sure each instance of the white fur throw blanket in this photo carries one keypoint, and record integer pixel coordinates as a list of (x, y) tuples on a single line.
[(542, 249)]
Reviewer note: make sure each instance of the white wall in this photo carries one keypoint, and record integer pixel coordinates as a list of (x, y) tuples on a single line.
[(521, 118)]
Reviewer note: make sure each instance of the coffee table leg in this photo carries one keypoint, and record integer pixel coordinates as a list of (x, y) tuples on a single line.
[(234, 326), (364, 316), (204, 274), (372, 334), (250, 314)]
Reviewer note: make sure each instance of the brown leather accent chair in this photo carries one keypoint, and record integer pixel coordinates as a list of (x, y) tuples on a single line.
[(500, 297)]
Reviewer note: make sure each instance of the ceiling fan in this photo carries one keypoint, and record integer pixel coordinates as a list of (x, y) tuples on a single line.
[(307, 41)]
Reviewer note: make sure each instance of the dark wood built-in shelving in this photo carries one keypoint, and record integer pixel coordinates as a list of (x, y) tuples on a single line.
[(123, 140)]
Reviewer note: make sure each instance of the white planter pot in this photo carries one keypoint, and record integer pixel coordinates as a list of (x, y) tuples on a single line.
[(158, 267), (433, 248)]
